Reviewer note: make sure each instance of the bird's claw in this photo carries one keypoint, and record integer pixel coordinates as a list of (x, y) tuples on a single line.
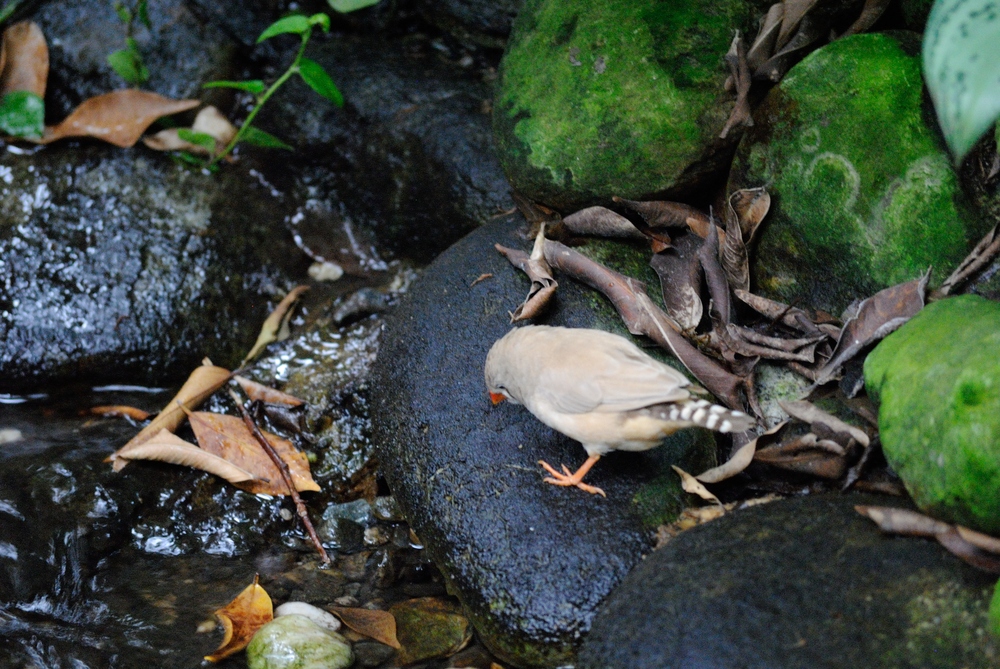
[(567, 479)]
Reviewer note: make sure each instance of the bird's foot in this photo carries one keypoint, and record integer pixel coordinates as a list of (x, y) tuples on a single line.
[(566, 479)]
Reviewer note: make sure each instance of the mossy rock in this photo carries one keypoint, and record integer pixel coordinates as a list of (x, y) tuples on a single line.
[(938, 381), (864, 195), (619, 97)]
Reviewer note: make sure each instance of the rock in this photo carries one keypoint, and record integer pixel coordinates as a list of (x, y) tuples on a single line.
[(530, 562), (803, 582), (937, 381), (321, 617), (428, 628), (120, 266), (623, 98), (863, 191), (372, 653), (296, 642), (410, 157), (484, 24)]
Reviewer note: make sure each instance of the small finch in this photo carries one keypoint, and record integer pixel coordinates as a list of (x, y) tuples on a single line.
[(600, 389)]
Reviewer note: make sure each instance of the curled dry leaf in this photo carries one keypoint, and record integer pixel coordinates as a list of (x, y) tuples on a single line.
[(543, 286), (878, 316), (202, 382), (803, 456), (229, 438), (715, 277), (658, 215), (739, 461), (119, 117), (601, 222), (271, 329), (870, 13), (378, 625), (241, 618), (808, 412), (750, 205), (795, 11), (763, 46), (24, 59), (789, 316), (736, 59), (209, 121), (903, 521), (168, 447), (692, 485), (986, 250), (680, 282), (258, 391), (809, 31)]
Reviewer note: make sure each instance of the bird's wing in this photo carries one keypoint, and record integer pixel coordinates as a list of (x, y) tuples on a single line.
[(609, 380)]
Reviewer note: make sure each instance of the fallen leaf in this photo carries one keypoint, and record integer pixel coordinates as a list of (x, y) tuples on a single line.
[(735, 257), (763, 45), (119, 411), (803, 455), (870, 13), (750, 206), (269, 331), (679, 271), (230, 439), (792, 317), (658, 215), (479, 279), (979, 540), (601, 222), (168, 447), (258, 391), (209, 121), (119, 117), (903, 521), (739, 461), (794, 12), (986, 250), (24, 59), (739, 71), (202, 382), (692, 485), (428, 628), (715, 277), (808, 412), (378, 625), (810, 30), (877, 317), (968, 552), (543, 286), (241, 618)]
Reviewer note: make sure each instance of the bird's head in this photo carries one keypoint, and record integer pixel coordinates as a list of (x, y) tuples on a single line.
[(499, 373)]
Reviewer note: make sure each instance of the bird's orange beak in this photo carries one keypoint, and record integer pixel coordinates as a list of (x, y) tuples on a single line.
[(497, 398)]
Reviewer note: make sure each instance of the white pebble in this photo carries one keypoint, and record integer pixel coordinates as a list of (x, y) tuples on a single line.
[(324, 619)]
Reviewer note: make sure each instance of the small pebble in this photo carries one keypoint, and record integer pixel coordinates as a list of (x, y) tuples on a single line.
[(376, 536), (323, 618), (346, 600), (326, 271), (9, 435)]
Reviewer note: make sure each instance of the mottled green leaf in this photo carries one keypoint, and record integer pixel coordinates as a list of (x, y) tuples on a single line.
[(962, 69), (317, 78), (22, 114), (257, 137), (255, 86), (295, 23)]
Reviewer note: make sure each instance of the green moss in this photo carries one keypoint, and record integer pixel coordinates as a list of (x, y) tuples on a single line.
[(661, 500), (938, 382), (947, 625), (612, 98), (994, 612), (865, 196)]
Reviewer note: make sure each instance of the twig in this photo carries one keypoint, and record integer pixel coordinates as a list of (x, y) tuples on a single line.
[(286, 474)]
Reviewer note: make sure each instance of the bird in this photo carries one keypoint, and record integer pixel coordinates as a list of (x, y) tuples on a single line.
[(599, 389)]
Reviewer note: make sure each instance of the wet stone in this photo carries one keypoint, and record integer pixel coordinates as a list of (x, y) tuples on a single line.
[(372, 653), (296, 642), (798, 583), (529, 561), (428, 628)]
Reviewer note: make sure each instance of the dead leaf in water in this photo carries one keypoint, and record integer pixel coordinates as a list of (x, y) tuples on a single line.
[(119, 411), (374, 624), (258, 391), (270, 331), (24, 59), (241, 618), (168, 447)]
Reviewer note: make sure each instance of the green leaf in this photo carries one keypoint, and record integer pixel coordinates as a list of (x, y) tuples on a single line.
[(142, 13), (128, 63), (202, 139), (123, 12), (256, 137), (345, 6), (318, 80), (321, 20), (962, 70), (255, 86), (295, 23), (8, 9), (22, 114)]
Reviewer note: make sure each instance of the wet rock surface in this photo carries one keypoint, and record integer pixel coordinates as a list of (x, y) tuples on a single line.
[(530, 561), (481, 23), (802, 582), (936, 379), (120, 266), (849, 150)]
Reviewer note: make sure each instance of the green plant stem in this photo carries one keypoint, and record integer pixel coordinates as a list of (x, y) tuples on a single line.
[(292, 69)]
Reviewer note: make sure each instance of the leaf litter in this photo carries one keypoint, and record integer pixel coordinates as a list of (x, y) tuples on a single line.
[(241, 618)]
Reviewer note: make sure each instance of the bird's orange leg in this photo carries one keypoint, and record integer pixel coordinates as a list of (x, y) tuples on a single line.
[(576, 479)]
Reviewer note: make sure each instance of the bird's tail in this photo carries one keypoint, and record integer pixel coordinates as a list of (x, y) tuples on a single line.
[(705, 414)]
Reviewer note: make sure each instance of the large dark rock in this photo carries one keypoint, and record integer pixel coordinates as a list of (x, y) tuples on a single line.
[(802, 582), (475, 22), (530, 561), (120, 266)]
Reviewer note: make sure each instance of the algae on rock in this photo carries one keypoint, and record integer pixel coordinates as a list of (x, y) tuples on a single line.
[(864, 193), (938, 382)]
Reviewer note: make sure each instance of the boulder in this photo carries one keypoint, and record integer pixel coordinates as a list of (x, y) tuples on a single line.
[(530, 561), (623, 98), (937, 380), (797, 583), (864, 195), (476, 23)]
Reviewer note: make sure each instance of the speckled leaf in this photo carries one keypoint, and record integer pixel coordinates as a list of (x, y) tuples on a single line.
[(962, 70)]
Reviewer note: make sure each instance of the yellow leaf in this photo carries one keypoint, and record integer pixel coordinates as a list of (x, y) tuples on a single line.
[(272, 325), (241, 618), (694, 486), (258, 391)]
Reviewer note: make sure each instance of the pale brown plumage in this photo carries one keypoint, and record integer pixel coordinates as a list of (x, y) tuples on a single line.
[(600, 389)]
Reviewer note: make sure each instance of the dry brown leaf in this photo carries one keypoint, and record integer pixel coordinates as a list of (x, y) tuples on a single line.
[(801, 455), (680, 282), (601, 222), (795, 11), (739, 461), (241, 618), (543, 286), (202, 382), (168, 447), (659, 215), (986, 250), (968, 552), (269, 331), (735, 257), (750, 206), (870, 13), (979, 540), (903, 521), (119, 411), (778, 312), (808, 412), (692, 485), (258, 391), (378, 625), (24, 59), (736, 59), (119, 117), (208, 121), (229, 438), (763, 46), (715, 277)]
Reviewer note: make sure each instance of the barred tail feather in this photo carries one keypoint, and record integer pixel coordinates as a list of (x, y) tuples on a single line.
[(706, 414)]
